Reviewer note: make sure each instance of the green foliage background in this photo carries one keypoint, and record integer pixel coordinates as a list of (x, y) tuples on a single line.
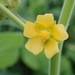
[(15, 59)]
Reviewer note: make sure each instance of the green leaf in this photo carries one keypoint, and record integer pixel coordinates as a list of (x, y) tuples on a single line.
[(9, 48), (29, 59), (71, 54), (65, 66), (44, 63)]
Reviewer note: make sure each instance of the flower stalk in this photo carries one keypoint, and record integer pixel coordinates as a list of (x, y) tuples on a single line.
[(9, 14), (64, 19)]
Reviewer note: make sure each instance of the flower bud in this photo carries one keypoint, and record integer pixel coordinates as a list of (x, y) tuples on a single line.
[(15, 3), (10, 4)]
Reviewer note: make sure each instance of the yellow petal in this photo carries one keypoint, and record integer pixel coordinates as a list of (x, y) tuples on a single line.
[(59, 32), (30, 30), (35, 45), (51, 48), (45, 21)]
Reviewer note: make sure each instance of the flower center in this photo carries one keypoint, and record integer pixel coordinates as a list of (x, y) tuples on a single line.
[(44, 35)]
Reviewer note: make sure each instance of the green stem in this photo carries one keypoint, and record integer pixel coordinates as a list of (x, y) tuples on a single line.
[(12, 16), (64, 19)]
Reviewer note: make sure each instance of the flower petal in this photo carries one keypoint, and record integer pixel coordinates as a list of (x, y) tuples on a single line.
[(51, 48), (30, 30), (59, 33), (45, 21), (35, 45)]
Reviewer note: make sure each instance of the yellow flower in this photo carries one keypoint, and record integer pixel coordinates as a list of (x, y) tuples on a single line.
[(44, 34)]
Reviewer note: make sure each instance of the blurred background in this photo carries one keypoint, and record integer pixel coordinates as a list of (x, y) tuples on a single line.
[(15, 59)]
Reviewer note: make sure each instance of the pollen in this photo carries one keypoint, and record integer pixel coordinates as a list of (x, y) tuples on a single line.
[(44, 35)]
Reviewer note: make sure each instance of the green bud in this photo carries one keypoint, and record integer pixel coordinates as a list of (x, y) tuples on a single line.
[(6, 3), (15, 3), (10, 4)]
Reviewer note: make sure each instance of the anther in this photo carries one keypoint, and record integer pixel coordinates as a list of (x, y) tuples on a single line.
[(44, 35)]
